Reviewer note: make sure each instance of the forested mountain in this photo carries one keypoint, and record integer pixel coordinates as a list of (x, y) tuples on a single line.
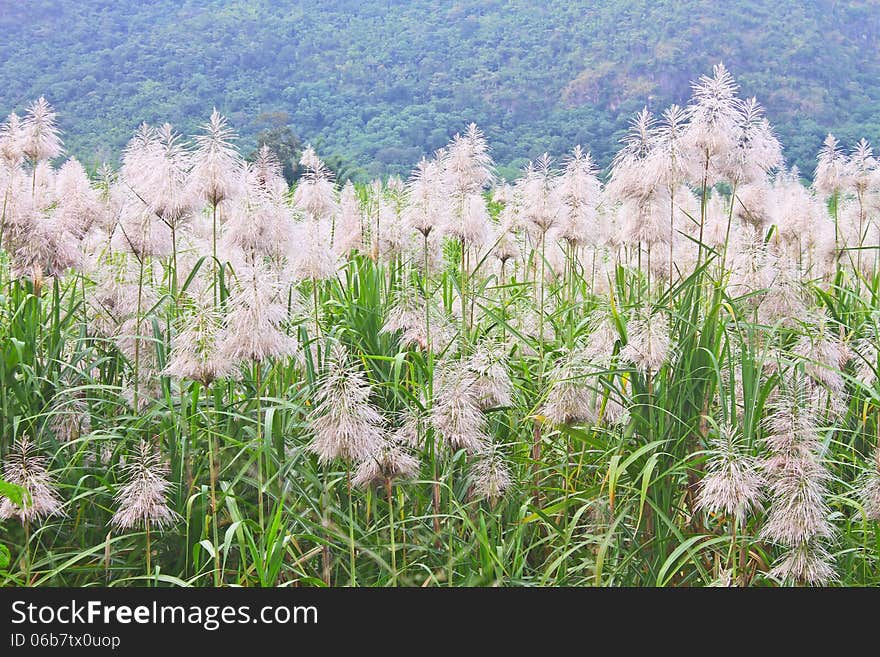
[(379, 83)]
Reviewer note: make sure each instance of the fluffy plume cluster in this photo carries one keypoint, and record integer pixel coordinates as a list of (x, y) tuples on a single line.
[(417, 321), (570, 398), (198, 353), (142, 499), (254, 323), (490, 475), (798, 516), (733, 484), (581, 387), (344, 423), (870, 492), (464, 390), (26, 468), (456, 414), (391, 460), (648, 342)]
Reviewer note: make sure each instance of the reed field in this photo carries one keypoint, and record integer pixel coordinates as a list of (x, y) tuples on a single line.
[(665, 374)]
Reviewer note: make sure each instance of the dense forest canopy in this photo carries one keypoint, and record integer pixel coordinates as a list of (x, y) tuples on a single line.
[(377, 84)]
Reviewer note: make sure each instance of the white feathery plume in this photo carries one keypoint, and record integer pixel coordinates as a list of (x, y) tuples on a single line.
[(348, 234), (21, 207), (258, 221), (426, 210), (373, 214), (641, 185), (753, 205), (503, 193), (142, 499), (541, 202), (195, 352), (861, 169), (267, 172), (732, 484), (570, 399), (798, 215), (784, 302), (808, 562), (136, 340), (113, 300), (528, 323), (667, 161), (79, 205), (411, 429), (851, 226), (70, 419), (748, 270), (686, 222), (456, 414), (139, 232), (391, 460), (171, 198), (467, 170), (831, 175), (156, 167), (42, 186), (344, 423), (648, 344), (865, 352), (138, 155), (818, 245), (40, 135), (579, 191), (253, 328), (492, 387), (45, 240), (646, 219), (713, 116), (45, 248), (467, 165), (506, 241), (601, 339), (629, 169), (798, 516), (395, 187), (870, 490), (12, 141), (26, 468), (756, 150), (555, 257), (312, 257), (217, 166), (407, 315), (395, 238), (490, 475), (825, 355), (715, 231), (469, 220), (315, 194)]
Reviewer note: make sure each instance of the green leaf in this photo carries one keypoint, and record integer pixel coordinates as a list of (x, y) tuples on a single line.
[(13, 492), (647, 471)]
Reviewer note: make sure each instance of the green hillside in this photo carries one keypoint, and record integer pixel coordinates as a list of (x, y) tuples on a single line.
[(381, 83)]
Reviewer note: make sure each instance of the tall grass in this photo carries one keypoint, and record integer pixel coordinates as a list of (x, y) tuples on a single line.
[(553, 371)]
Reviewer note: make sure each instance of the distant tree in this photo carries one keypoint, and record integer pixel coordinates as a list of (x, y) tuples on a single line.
[(278, 135)]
